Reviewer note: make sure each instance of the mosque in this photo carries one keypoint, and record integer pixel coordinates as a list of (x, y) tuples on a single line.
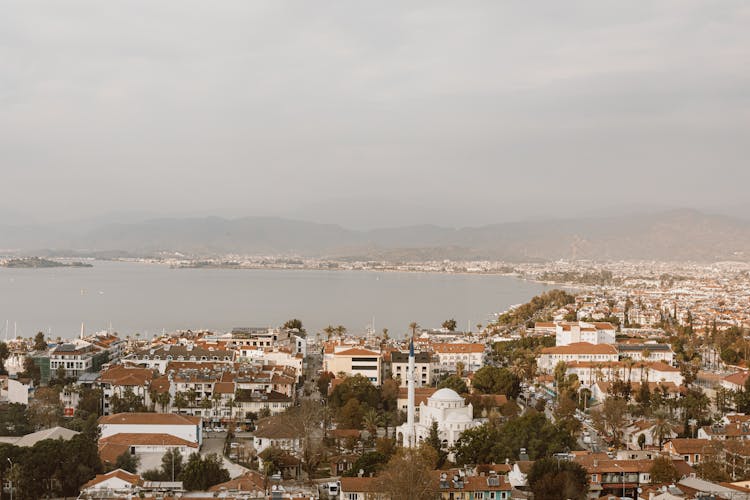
[(445, 406)]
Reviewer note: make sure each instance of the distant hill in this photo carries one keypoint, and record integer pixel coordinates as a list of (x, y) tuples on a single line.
[(670, 235)]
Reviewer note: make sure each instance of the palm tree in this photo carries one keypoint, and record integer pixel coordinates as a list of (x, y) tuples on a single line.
[(191, 395), (413, 325), (662, 429), (385, 334), (329, 331), (629, 365), (460, 368), (372, 420), (180, 401)]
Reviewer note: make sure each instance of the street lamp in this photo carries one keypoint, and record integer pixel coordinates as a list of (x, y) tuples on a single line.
[(10, 480)]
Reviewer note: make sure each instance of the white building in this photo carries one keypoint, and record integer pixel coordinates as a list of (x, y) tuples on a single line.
[(569, 332), (181, 426), (355, 361), (577, 352), (449, 355), (445, 406)]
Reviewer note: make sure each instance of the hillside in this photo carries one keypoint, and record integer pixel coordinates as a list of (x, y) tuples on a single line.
[(672, 235)]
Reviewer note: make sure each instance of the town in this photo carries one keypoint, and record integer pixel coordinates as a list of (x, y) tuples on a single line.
[(619, 391)]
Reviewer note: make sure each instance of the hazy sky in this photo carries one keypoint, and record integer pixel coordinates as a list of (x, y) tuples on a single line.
[(369, 113)]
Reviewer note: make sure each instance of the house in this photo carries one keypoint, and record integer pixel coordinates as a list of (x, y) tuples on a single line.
[(181, 426), (735, 381), (424, 366), (113, 446), (158, 357), (573, 332), (277, 433), (644, 428), (693, 451), (251, 483), (576, 352), (361, 488), (355, 361), (29, 440), (119, 379), (449, 355), (117, 480), (453, 485)]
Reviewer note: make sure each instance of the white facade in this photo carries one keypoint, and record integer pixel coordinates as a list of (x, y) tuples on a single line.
[(593, 333), (181, 426), (451, 413)]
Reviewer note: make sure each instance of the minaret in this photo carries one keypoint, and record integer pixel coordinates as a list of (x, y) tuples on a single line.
[(412, 438)]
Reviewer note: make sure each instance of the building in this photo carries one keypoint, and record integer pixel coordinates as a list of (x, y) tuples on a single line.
[(117, 480), (157, 358), (444, 406), (576, 352), (449, 355), (74, 358), (181, 426), (355, 361), (425, 368), (692, 451), (573, 332)]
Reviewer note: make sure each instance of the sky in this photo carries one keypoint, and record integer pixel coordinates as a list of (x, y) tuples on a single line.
[(372, 113)]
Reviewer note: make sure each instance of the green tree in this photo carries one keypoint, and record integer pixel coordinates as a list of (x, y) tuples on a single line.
[(409, 474), (496, 380), (450, 325), (662, 429), (171, 464), (558, 480), (127, 461), (456, 383), (663, 470), (200, 473), (370, 463), (128, 402), (496, 442), (294, 324), (40, 344), (433, 440), (4, 355), (357, 387), (351, 414), (31, 370)]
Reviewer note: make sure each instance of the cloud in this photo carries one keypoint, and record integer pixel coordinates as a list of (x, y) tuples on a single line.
[(276, 107)]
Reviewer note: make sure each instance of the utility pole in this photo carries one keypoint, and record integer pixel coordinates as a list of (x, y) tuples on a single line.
[(11, 478)]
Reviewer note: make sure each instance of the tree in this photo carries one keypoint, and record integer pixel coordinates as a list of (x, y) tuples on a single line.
[(663, 470), (14, 421), (610, 418), (433, 440), (350, 415), (200, 473), (180, 401), (641, 440), (40, 344), (323, 382), (662, 429), (294, 324), (4, 354), (128, 462), (496, 442), (370, 462), (558, 480), (456, 383), (356, 387), (31, 370), (408, 474), (450, 325), (171, 464), (371, 420), (129, 401), (45, 410), (413, 326), (496, 380)]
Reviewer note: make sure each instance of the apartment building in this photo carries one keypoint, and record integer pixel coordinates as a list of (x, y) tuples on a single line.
[(355, 361)]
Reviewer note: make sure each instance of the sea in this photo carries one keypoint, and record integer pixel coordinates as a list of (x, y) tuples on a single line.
[(148, 299)]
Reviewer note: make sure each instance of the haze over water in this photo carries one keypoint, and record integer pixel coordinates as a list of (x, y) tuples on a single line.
[(149, 298)]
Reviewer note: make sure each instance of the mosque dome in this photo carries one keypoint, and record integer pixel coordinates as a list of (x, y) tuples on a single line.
[(446, 394)]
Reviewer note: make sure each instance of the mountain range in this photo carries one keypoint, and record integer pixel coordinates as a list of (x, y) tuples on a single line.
[(667, 235)]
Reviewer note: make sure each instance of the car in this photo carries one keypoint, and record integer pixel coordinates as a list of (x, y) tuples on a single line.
[(219, 429)]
